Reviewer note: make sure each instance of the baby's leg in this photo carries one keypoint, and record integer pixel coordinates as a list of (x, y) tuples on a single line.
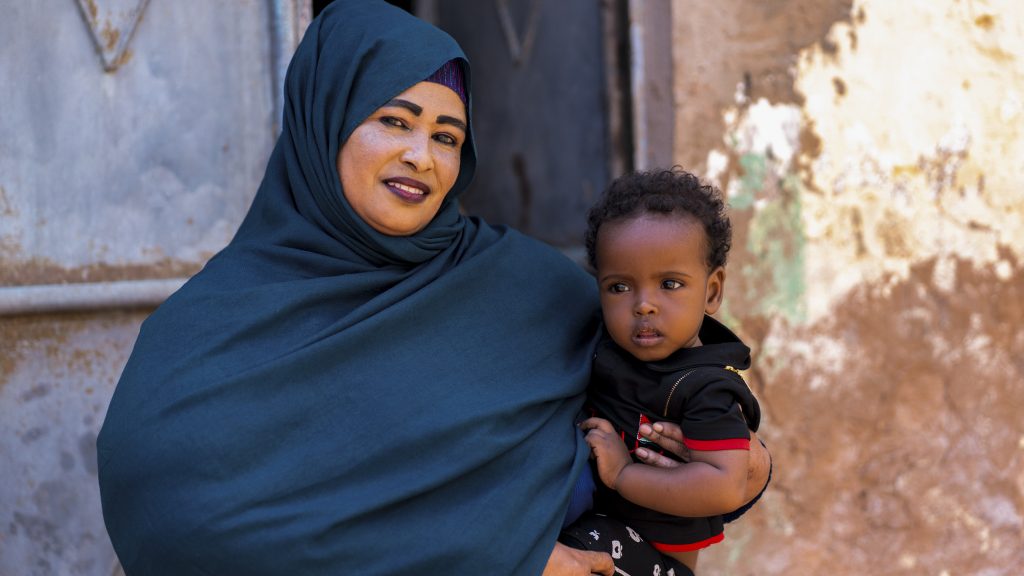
[(630, 553), (688, 558)]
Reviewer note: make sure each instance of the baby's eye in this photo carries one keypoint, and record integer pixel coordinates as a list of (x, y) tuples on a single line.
[(618, 288), (671, 284)]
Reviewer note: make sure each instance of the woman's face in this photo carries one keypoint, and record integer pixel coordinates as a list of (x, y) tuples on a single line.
[(399, 164)]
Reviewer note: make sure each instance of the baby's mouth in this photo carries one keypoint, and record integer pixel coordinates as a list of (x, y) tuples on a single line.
[(646, 334)]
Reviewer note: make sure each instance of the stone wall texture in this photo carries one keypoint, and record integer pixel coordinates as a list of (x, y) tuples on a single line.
[(873, 155)]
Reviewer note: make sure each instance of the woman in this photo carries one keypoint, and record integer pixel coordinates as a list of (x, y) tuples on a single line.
[(364, 380)]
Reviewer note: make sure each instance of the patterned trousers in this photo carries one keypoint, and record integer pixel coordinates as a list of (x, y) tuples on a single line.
[(631, 554)]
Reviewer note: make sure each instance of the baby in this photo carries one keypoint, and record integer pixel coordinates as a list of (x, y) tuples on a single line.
[(658, 243)]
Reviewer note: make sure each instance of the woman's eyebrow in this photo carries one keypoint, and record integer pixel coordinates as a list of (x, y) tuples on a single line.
[(453, 121), (398, 102), (416, 109)]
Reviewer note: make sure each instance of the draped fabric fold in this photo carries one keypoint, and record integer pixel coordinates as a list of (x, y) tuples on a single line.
[(325, 399)]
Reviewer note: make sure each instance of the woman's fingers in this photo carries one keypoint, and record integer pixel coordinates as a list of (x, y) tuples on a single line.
[(654, 459), (760, 465), (600, 563), (666, 430), (667, 435)]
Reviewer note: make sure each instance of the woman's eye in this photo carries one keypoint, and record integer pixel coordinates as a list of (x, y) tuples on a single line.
[(671, 284), (618, 288), (392, 121), (446, 139)]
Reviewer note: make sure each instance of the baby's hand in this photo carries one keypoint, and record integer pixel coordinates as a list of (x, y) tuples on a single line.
[(608, 449)]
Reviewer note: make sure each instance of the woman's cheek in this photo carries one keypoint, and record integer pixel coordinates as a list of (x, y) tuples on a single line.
[(451, 162)]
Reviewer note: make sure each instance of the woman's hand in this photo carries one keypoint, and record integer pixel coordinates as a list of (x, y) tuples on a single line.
[(667, 435), (760, 465), (608, 449), (566, 561), (670, 437)]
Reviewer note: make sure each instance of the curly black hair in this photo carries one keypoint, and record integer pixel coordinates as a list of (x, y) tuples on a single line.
[(673, 191)]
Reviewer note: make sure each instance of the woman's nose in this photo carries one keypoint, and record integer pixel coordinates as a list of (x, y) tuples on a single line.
[(417, 155)]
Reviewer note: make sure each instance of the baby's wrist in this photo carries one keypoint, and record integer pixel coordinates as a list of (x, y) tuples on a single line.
[(622, 475)]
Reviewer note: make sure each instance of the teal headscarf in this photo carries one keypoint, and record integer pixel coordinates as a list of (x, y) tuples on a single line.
[(325, 399)]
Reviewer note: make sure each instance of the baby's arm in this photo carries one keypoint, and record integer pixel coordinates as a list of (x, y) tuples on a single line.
[(713, 483), (670, 437)]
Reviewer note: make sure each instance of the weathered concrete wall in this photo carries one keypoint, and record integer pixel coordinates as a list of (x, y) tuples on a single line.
[(873, 154)]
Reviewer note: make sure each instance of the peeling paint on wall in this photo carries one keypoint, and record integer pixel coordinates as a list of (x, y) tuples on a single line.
[(873, 163), (736, 48), (923, 153), (765, 200), (896, 431)]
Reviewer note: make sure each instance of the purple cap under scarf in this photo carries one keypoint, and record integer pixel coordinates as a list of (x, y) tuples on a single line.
[(450, 75)]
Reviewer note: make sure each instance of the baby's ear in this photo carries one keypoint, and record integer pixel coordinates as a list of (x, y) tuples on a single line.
[(715, 291)]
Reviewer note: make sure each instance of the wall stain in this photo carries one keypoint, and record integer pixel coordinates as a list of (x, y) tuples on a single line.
[(857, 225), (123, 59), (39, 530), (6, 209), (38, 391), (985, 21), (35, 271), (32, 434), (91, 5), (110, 36), (839, 86), (48, 336), (893, 236), (67, 461), (87, 451), (917, 403)]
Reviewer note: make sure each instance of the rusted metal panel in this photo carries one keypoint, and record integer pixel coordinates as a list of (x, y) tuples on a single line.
[(56, 376), (149, 165), (112, 23), (133, 135), (87, 296)]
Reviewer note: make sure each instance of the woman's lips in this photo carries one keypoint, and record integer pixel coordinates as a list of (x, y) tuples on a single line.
[(409, 190)]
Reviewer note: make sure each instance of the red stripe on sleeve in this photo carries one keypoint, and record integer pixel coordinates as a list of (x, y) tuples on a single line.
[(711, 445), (688, 547)]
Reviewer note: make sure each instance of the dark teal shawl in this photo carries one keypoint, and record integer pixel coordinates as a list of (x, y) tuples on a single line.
[(323, 399)]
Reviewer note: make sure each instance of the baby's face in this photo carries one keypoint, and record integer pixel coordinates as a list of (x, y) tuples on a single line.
[(654, 283)]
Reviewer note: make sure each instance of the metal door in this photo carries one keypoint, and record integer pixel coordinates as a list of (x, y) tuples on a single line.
[(541, 108), (133, 134)]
